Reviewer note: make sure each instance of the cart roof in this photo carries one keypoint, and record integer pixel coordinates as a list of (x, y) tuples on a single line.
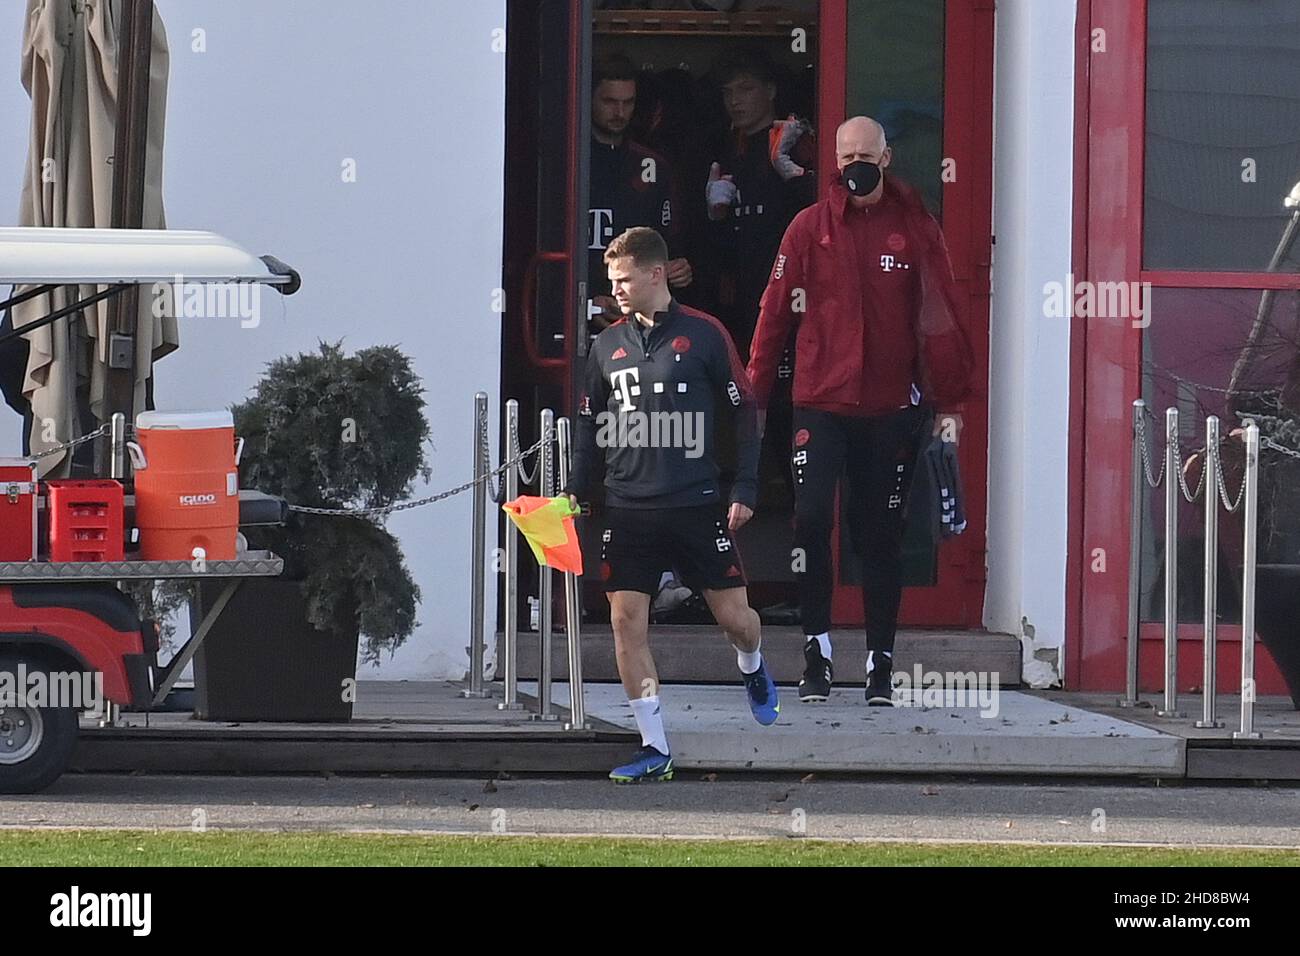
[(40, 256)]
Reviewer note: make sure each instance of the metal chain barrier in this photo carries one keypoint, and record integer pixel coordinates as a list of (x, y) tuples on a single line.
[(1266, 442), (421, 502), (485, 459), (1222, 484), (514, 448), (1204, 387), (496, 491), (544, 476), (1182, 477), (1212, 496), (73, 443), (1140, 424)]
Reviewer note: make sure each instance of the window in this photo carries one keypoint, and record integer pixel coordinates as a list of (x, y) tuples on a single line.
[(1229, 353), (895, 74), (1222, 132)]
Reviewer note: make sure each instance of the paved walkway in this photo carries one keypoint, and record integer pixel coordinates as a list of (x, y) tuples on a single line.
[(725, 805)]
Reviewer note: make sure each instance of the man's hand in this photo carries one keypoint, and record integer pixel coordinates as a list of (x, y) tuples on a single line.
[(781, 139), (720, 193), (949, 426), (609, 311), (680, 273), (738, 515), (573, 501)]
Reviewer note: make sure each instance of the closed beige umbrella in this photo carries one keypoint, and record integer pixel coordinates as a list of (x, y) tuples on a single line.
[(70, 70)]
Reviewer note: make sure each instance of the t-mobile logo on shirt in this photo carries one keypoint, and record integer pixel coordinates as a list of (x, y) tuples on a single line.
[(602, 228), (624, 386)]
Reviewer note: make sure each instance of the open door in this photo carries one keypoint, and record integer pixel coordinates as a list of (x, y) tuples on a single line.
[(924, 68), (547, 104), (547, 62)]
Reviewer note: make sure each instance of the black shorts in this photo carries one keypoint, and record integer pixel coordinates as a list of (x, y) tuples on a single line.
[(639, 544)]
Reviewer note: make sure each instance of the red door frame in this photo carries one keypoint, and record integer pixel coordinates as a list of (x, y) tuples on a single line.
[(958, 600), (1110, 107), (968, 139)]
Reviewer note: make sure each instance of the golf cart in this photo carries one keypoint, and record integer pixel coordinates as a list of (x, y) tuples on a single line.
[(64, 623)]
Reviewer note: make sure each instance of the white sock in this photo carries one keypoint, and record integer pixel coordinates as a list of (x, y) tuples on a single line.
[(824, 640), (887, 655), (750, 661), (650, 722)]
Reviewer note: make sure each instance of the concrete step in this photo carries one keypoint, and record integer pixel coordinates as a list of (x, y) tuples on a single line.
[(1012, 733), (686, 654)]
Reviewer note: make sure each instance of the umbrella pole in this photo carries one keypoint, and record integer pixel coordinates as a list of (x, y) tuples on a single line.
[(130, 147)]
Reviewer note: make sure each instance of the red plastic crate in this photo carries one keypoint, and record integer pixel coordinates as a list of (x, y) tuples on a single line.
[(85, 520)]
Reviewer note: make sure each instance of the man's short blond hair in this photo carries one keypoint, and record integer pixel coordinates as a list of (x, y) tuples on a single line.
[(645, 247)]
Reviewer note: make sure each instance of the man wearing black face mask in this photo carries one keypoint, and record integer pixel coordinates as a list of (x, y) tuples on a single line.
[(864, 277)]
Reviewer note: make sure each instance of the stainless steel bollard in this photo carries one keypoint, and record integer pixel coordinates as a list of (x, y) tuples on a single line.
[(1134, 558), (544, 579), (117, 446), (1172, 492), (1209, 664), (1247, 731), (478, 550), (117, 470), (509, 653), (572, 602)]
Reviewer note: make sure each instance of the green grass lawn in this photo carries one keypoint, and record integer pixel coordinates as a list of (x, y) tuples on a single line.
[(183, 848)]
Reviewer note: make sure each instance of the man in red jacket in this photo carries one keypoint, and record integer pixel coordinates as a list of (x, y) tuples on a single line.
[(865, 280)]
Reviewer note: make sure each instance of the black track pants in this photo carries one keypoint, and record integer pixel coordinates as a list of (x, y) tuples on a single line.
[(878, 455)]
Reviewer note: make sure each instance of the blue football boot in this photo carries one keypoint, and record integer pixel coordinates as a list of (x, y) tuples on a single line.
[(761, 691), (647, 764)]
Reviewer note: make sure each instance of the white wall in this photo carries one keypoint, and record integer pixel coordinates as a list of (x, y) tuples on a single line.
[(1030, 353), (258, 127)]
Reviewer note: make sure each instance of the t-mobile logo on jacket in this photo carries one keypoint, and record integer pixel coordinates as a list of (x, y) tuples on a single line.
[(623, 384)]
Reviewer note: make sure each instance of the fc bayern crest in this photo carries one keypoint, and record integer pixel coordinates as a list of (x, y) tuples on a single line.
[(681, 344)]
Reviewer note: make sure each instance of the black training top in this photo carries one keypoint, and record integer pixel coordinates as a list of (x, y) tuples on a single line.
[(648, 408), (628, 186)]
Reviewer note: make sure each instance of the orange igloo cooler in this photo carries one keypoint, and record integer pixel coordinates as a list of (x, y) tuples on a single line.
[(186, 485)]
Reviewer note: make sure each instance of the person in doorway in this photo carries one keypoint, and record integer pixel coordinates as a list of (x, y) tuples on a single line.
[(665, 363), (865, 280), (762, 176), (629, 185)]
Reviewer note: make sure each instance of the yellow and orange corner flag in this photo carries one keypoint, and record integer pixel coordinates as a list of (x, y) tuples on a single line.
[(547, 524)]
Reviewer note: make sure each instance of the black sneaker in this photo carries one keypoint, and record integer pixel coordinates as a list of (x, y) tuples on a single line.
[(880, 689), (817, 674)]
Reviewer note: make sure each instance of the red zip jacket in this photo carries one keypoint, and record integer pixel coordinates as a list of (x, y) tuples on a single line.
[(817, 287)]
